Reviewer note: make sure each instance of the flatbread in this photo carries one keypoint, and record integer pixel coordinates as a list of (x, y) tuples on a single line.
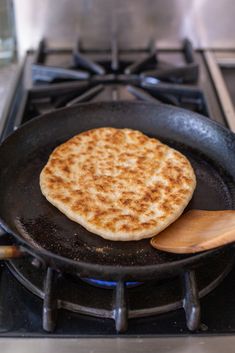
[(118, 183)]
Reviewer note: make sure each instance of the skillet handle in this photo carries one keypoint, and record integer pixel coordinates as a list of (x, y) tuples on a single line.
[(10, 251)]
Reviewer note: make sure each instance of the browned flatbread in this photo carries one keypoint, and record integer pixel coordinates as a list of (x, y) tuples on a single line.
[(118, 183)]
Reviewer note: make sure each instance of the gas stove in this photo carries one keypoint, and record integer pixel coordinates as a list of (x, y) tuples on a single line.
[(56, 78), (43, 303)]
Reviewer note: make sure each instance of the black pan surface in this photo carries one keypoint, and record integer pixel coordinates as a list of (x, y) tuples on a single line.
[(35, 222)]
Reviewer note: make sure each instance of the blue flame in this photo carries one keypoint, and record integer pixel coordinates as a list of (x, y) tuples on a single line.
[(108, 284)]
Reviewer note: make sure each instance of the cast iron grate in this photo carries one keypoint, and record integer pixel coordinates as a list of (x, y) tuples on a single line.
[(120, 303), (148, 68), (108, 75)]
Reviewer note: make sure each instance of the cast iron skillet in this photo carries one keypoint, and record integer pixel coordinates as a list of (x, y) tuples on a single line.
[(63, 244)]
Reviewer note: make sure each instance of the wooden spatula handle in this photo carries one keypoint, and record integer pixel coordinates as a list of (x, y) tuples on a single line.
[(10, 251)]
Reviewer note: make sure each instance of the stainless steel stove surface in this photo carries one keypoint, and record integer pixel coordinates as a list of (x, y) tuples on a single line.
[(39, 302)]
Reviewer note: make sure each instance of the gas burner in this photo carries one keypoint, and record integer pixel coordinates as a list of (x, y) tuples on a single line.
[(97, 75), (147, 68), (65, 291), (109, 284), (58, 78)]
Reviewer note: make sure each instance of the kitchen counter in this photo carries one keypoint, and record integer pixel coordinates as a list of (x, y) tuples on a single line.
[(185, 344), (7, 77)]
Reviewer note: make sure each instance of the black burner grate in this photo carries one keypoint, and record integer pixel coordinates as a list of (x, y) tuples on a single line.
[(121, 303), (104, 75), (147, 68)]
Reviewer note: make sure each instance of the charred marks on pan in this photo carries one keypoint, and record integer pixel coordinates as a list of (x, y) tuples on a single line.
[(44, 233), (68, 243)]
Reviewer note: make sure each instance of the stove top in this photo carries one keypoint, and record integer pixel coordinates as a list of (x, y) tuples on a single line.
[(56, 78), (43, 303), (88, 310)]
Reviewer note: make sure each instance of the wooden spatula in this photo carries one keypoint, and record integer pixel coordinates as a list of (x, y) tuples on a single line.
[(197, 231)]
